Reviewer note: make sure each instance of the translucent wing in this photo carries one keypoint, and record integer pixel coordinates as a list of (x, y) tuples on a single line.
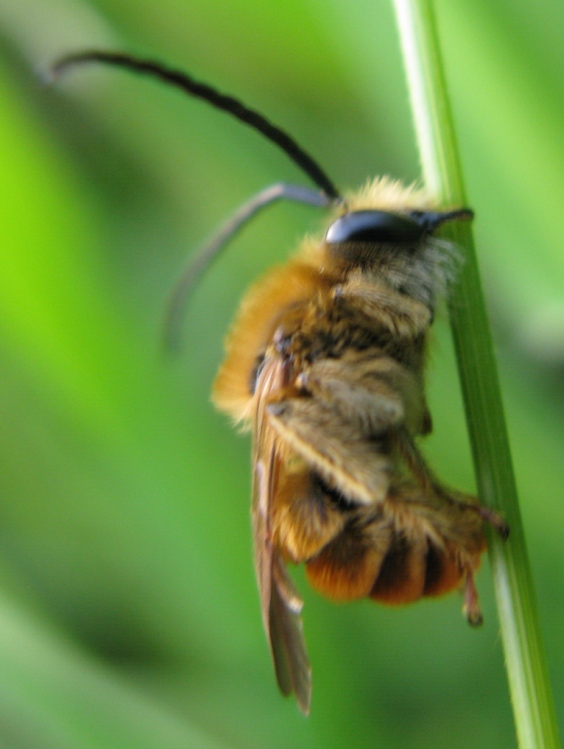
[(280, 603)]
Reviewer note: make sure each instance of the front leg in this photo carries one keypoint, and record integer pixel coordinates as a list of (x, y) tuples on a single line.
[(398, 313), (370, 389), (353, 464)]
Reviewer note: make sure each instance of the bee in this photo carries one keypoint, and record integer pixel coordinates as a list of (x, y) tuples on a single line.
[(325, 366)]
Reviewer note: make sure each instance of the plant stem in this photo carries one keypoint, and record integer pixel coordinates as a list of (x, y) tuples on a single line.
[(531, 695)]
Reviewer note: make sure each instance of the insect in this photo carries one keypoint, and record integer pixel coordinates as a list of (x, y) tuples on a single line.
[(325, 365)]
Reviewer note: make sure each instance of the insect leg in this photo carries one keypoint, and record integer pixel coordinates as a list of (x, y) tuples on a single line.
[(305, 517), (370, 389), (346, 459), (471, 608), (426, 479), (403, 316), (200, 262)]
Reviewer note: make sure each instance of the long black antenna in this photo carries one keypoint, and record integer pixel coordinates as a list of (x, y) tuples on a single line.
[(213, 97)]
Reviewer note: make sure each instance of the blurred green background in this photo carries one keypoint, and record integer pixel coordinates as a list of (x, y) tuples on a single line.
[(128, 610)]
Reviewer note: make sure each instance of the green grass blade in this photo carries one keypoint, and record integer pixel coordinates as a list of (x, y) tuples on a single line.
[(53, 694), (533, 704)]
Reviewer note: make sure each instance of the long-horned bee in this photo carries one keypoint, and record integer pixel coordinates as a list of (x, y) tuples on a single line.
[(325, 365)]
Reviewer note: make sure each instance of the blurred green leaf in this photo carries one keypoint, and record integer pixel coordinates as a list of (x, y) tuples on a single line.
[(124, 520)]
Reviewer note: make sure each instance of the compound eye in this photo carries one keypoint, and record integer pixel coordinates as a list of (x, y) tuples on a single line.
[(375, 227)]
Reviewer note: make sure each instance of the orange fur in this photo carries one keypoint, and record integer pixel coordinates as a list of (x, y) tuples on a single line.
[(257, 319)]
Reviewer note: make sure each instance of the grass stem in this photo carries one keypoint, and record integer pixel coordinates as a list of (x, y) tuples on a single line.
[(530, 689)]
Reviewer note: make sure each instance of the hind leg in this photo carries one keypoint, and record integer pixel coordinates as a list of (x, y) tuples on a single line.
[(428, 482)]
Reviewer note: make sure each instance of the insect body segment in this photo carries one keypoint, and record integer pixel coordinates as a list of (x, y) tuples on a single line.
[(325, 362)]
